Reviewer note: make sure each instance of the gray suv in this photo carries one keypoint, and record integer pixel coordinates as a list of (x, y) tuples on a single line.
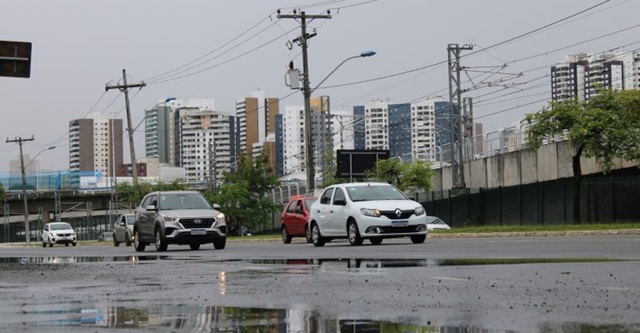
[(178, 217)]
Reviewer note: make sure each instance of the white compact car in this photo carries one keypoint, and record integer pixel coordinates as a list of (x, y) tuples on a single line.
[(372, 211), (58, 233)]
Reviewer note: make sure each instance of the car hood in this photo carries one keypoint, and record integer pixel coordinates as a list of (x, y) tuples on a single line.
[(190, 213), (387, 204)]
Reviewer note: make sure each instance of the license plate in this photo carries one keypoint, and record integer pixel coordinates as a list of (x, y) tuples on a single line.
[(399, 223), (198, 231)]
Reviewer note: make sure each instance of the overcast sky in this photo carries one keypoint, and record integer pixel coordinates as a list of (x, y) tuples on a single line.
[(226, 49)]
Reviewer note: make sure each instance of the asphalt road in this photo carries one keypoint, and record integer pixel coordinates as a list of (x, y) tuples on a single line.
[(521, 284)]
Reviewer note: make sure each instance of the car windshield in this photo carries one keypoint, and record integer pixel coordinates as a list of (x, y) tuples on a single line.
[(60, 226), (130, 218), (171, 201), (374, 192), (308, 202)]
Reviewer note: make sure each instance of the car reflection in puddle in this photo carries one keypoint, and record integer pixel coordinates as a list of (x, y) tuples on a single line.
[(200, 318)]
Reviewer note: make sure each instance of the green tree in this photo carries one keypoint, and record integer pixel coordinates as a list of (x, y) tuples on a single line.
[(3, 195), (131, 194), (243, 194), (605, 127), (410, 176)]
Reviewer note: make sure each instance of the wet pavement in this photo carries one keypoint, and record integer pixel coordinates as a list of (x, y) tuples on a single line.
[(248, 288)]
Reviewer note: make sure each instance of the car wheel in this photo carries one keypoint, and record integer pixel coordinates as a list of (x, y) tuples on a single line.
[(418, 239), (376, 240), (66, 244), (219, 244), (44, 244), (285, 235), (354, 234), (316, 238), (127, 239), (194, 246), (161, 243), (50, 243), (139, 246), (307, 234), (115, 240), (74, 244)]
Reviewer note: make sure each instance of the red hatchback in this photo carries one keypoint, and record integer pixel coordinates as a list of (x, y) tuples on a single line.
[(294, 218)]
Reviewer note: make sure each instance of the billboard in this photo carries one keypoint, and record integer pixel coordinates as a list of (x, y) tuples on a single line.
[(355, 162)]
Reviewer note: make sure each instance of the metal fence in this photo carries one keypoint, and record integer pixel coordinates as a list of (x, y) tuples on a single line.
[(603, 199)]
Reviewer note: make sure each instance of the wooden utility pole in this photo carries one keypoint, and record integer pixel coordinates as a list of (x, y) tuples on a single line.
[(308, 138), (27, 232), (124, 87)]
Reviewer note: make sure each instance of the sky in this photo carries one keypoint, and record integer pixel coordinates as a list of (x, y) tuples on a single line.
[(225, 50)]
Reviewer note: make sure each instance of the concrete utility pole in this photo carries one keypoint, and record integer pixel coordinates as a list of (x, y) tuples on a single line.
[(302, 41), (124, 87), (455, 103), (27, 232)]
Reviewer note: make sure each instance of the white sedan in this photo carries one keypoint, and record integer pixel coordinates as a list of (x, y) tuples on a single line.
[(58, 233), (436, 223), (372, 211)]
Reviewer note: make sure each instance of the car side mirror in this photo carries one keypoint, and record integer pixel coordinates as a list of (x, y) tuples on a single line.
[(152, 207)]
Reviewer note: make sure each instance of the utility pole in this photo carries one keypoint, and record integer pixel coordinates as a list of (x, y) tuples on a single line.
[(302, 41), (27, 232), (455, 103), (124, 87)]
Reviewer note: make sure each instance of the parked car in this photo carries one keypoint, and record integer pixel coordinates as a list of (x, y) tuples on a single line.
[(294, 218), (123, 229), (434, 222), (58, 233), (372, 211), (106, 236), (178, 217)]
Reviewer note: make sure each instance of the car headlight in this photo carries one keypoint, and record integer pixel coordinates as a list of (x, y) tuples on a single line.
[(370, 212), (169, 218), (220, 218), (419, 210)]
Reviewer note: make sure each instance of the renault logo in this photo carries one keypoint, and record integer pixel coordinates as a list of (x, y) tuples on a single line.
[(398, 212), (197, 221)]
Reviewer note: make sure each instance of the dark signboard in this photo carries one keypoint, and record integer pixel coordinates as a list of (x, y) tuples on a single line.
[(15, 59), (355, 162)]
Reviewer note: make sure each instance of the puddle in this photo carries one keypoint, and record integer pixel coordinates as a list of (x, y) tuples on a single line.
[(330, 262), (200, 318)]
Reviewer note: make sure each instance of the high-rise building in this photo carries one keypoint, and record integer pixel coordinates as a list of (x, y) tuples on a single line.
[(158, 131), (204, 142), (582, 75), (255, 120), (95, 144), (376, 124)]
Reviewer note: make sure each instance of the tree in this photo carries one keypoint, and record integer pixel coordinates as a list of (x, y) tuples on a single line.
[(242, 195), (133, 195), (411, 176), (3, 196), (605, 127)]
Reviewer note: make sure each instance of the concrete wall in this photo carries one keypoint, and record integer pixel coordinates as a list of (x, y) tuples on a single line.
[(551, 161)]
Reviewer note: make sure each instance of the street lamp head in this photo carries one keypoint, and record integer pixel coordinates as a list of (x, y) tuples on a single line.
[(169, 99), (368, 53), (52, 147)]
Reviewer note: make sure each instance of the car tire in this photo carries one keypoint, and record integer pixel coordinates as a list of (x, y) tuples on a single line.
[(66, 244), (44, 244), (50, 244), (139, 246), (418, 239), (194, 246), (74, 244), (316, 238), (354, 233), (375, 240), (219, 244), (161, 242), (307, 234), (127, 239), (115, 240), (285, 235)]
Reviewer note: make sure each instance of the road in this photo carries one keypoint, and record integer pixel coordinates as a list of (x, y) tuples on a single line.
[(519, 284)]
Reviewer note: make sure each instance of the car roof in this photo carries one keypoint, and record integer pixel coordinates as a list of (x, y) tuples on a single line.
[(365, 184)]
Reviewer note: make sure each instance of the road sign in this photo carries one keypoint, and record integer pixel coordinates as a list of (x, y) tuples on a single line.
[(15, 59), (355, 163)]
